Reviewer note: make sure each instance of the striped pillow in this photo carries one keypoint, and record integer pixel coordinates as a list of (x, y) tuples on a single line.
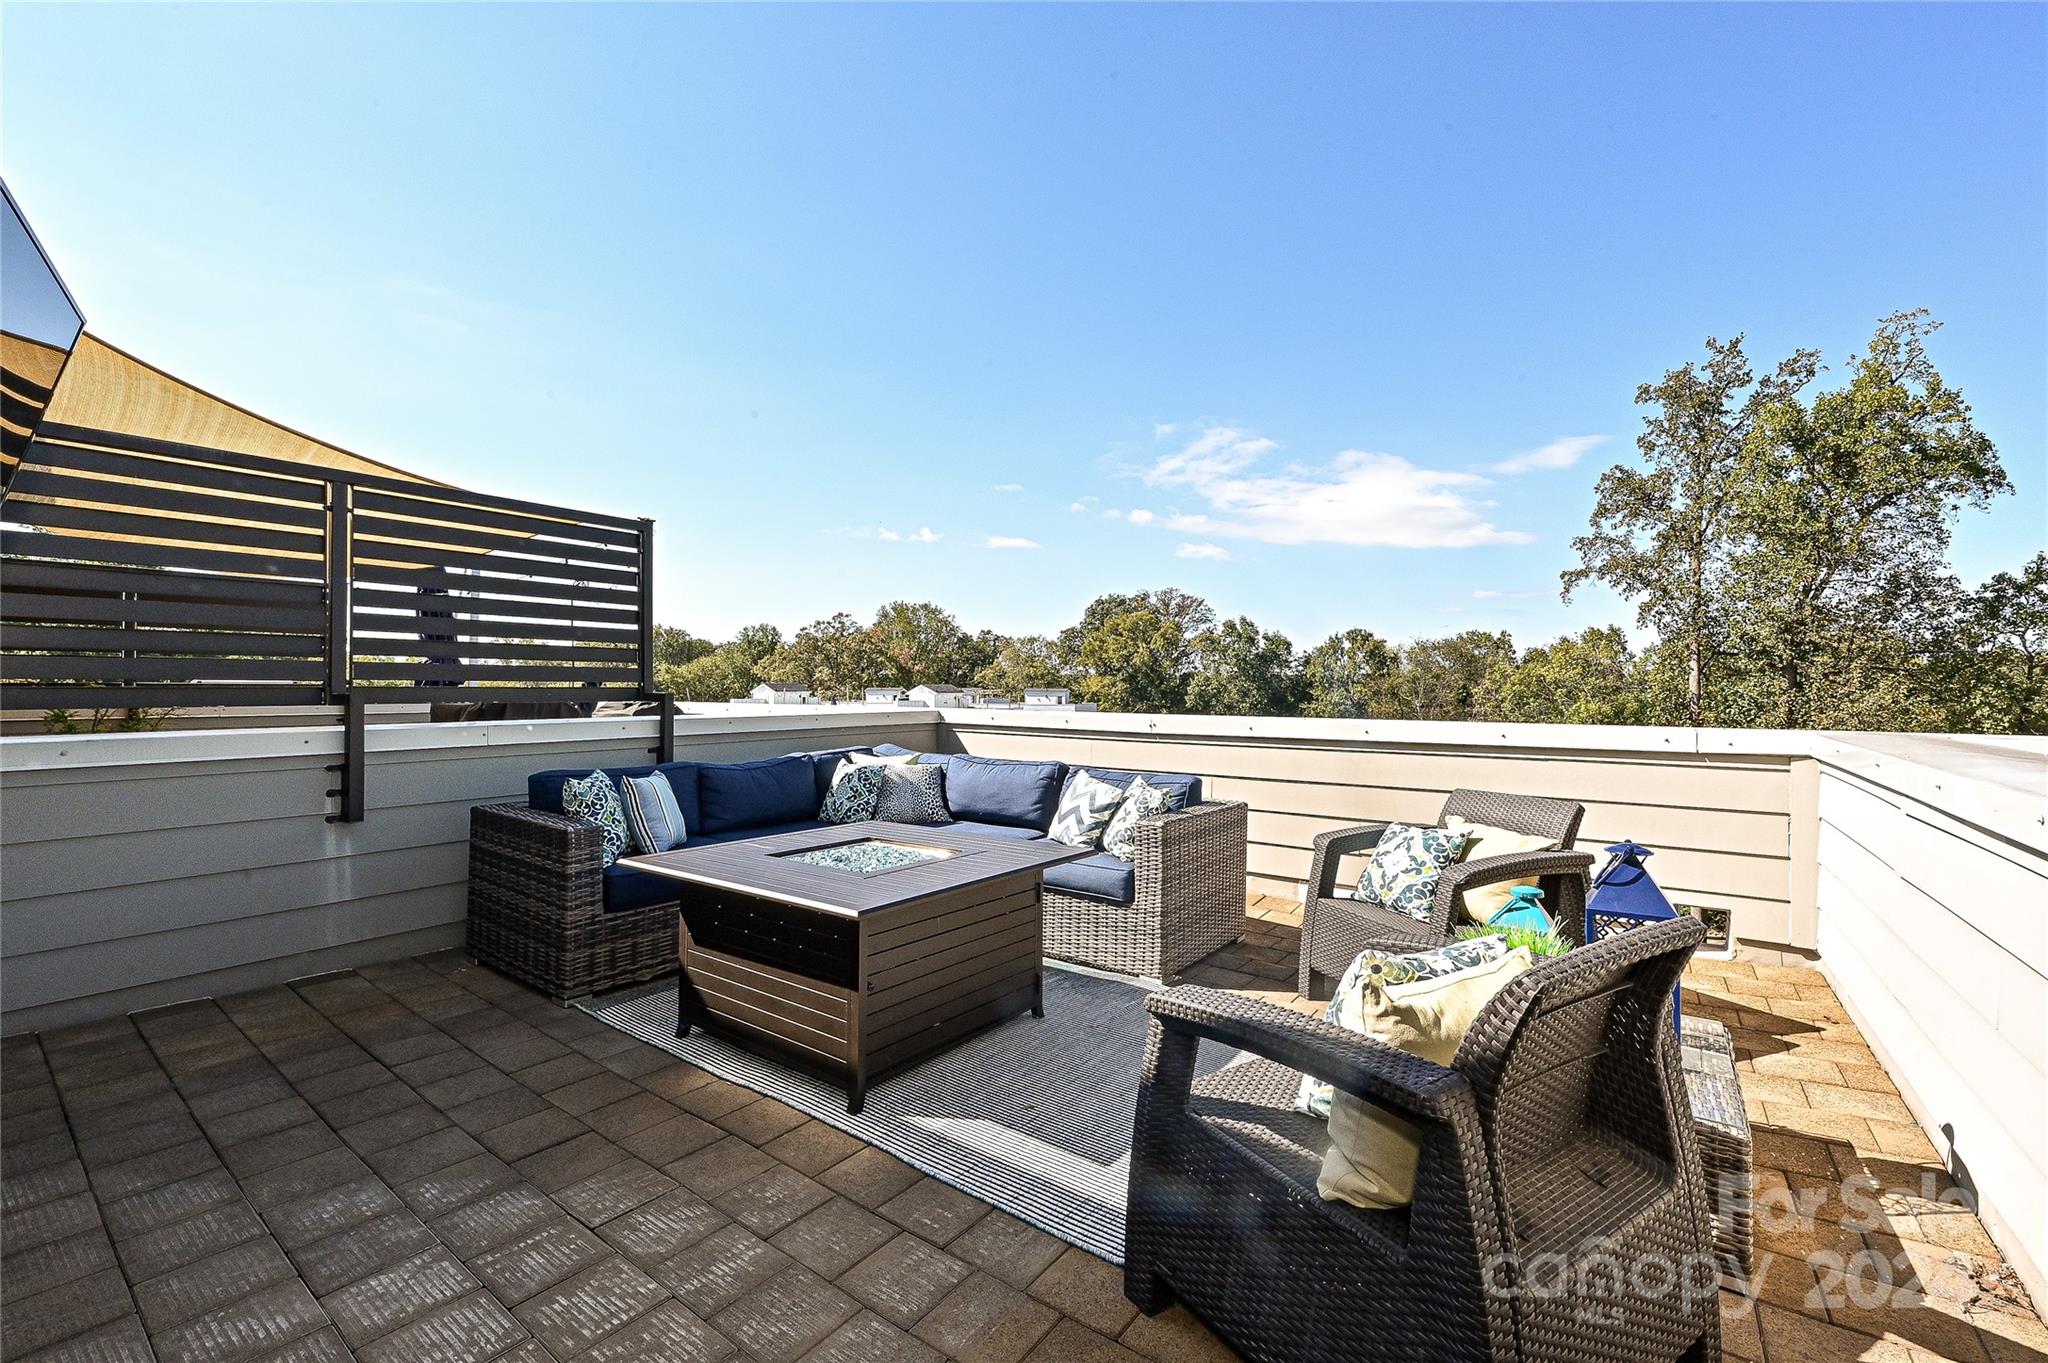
[(652, 814)]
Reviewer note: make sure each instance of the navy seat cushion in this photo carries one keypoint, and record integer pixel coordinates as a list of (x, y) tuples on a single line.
[(754, 831), (544, 788), (1187, 790), (1000, 791), (625, 888), (1101, 876), (823, 764), (749, 794), (992, 830)]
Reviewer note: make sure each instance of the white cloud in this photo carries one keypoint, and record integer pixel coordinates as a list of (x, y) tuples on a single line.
[(1007, 487), (1357, 498), (1560, 453), (1141, 517), (1008, 542), (924, 534), (1111, 513), (1082, 503), (1490, 594), (1215, 551), (1162, 429)]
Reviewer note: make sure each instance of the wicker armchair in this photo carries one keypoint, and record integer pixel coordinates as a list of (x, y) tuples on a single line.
[(1189, 898), (1335, 929), (1557, 1157), (536, 907)]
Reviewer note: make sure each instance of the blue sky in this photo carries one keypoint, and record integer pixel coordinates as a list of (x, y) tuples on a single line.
[(1343, 309)]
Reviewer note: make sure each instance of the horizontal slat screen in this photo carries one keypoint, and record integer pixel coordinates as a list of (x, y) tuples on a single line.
[(141, 573)]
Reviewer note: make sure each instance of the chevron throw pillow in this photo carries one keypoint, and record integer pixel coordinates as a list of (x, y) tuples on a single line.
[(1086, 806)]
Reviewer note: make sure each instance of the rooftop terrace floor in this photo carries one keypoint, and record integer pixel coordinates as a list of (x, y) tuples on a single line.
[(424, 1162)]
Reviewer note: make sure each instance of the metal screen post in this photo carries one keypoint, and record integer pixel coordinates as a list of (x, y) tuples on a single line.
[(350, 791), (646, 606), (340, 515)]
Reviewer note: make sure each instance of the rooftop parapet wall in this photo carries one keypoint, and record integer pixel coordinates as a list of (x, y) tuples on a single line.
[(140, 869)]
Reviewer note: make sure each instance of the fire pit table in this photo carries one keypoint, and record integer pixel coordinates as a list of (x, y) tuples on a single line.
[(857, 949)]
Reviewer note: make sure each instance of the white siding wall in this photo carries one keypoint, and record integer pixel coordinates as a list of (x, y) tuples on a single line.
[(1719, 806), (140, 869), (1933, 899)]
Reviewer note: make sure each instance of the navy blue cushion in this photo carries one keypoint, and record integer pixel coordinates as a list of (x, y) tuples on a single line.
[(997, 790), (682, 779), (991, 830), (823, 764), (898, 750), (759, 831), (544, 788), (625, 888), (1187, 790), (748, 794), (1101, 876)]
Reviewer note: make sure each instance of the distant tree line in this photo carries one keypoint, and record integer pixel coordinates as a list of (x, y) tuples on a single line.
[(1786, 552)]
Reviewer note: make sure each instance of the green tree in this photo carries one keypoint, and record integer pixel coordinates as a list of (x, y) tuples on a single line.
[(1845, 508), (1190, 614), (674, 646), (926, 644), (836, 657), (722, 675), (1136, 661), (1134, 651), (1661, 535), (1240, 669), (756, 642), (1343, 674), (1022, 663), (1443, 678), (2003, 635), (1592, 677)]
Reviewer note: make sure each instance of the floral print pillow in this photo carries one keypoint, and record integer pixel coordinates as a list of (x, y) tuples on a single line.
[(1141, 800), (596, 799), (1406, 866), (855, 789)]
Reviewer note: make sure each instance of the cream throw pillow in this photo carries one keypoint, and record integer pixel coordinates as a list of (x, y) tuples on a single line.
[(1484, 904), (1373, 1153)]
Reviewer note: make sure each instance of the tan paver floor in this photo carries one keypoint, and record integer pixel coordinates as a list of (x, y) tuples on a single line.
[(421, 1160)]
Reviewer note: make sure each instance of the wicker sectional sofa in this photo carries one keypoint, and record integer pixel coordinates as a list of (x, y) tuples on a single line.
[(544, 909)]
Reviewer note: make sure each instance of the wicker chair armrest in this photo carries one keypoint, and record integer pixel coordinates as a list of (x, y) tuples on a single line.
[(1470, 875), (577, 843), (1367, 1069), (1158, 836), (1331, 848)]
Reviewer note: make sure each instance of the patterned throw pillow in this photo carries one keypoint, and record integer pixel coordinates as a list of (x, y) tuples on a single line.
[(912, 793), (596, 799), (1406, 866), (1372, 966), (1141, 801), (652, 814), (855, 788), (1373, 1153), (1086, 806)]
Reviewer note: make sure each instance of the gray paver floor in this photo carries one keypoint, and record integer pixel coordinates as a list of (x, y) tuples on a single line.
[(424, 1162)]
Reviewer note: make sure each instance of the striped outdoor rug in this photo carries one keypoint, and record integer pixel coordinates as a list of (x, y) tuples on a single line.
[(1034, 1115)]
